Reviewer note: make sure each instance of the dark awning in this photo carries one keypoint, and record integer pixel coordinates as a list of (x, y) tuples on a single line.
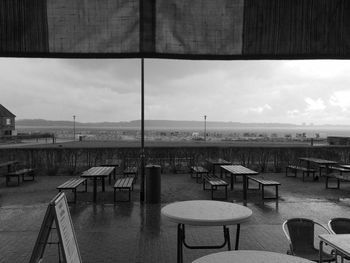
[(189, 29)]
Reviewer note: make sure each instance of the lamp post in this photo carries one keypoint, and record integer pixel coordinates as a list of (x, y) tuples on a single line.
[(74, 127), (205, 127)]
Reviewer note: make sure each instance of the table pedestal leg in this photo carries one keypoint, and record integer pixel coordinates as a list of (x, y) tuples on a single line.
[(227, 237), (231, 181), (237, 236), (182, 242), (103, 184), (95, 189), (245, 179), (179, 243)]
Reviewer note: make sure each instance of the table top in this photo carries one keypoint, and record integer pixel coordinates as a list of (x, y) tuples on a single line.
[(98, 171), (8, 163), (340, 242), (206, 213), (238, 169), (218, 161), (250, 256), (317, 160)]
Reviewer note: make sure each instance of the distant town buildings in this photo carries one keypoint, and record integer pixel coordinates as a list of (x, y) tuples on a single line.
[(7, 122)]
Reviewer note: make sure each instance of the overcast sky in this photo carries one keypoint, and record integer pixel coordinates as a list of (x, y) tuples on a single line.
[(312, 91)]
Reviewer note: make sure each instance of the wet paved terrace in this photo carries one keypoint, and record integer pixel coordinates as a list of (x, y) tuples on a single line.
[(132, 232)]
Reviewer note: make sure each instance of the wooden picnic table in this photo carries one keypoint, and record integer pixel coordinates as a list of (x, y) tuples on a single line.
[(9, 165), (114, 164), (217, 162), (317, 161), (95, 173), (239, 170)]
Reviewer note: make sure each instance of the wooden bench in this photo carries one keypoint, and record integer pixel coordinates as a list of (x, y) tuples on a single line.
[(198, 172), (130, 172), (214, 182), (126, 183), (27, 172), (182, 164), (262, 183), (339, 177), (304, 170), (72, 184), (341, 170)]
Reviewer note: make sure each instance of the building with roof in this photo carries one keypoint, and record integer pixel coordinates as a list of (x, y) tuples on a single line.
[(7, 122)]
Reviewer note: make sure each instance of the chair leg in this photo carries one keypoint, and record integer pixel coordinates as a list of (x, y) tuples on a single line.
[(262, 191)]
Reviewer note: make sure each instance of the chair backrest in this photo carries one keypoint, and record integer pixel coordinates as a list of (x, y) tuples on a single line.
[(300, 233), (339, 225)]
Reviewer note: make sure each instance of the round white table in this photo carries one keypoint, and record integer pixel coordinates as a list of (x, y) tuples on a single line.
[(250, 256), (205, 213)]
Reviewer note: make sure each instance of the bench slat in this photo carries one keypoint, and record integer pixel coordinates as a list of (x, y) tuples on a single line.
[(124, 182), (300, 168), (339, 176), (71, 183), (20, 172), (215, 181), (199, 169), (340, 169), (264, 182)]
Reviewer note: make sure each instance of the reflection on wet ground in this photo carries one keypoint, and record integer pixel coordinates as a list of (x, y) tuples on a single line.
[(135, 232)]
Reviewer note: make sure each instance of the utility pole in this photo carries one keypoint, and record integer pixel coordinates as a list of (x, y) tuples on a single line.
[(74, 127), (205, 127), (142, 157)]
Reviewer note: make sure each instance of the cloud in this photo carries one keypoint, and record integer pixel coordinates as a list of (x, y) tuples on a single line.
[(110, 90), (341, 99), (314, 105), (262, 109), (319, 69), (293, 113)]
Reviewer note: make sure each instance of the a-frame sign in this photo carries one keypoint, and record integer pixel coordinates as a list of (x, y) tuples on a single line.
[(58, 213)]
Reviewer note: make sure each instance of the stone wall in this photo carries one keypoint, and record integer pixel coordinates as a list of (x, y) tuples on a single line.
[(53, 161)]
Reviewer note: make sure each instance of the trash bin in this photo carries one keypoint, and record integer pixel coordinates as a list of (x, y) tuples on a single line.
[(153, 187)]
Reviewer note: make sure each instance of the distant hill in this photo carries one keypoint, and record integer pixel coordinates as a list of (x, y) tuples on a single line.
[(150, 124)]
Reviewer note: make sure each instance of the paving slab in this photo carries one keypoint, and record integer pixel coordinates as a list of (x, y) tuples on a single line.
[(136, 232)]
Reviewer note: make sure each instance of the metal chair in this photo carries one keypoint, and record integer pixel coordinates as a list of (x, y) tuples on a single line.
[(300, 233), (339, 225)]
